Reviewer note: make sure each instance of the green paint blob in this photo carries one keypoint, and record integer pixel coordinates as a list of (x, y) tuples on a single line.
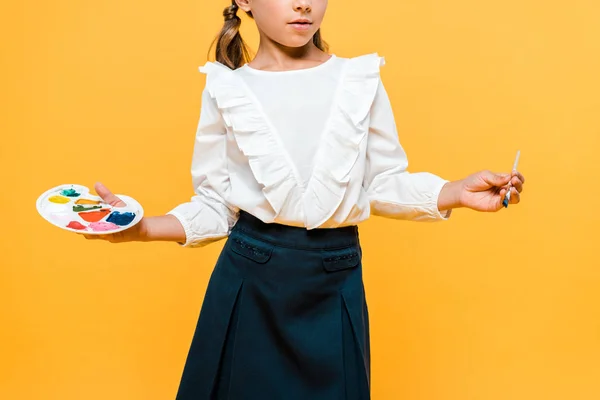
[(79, 208), (69, 193)]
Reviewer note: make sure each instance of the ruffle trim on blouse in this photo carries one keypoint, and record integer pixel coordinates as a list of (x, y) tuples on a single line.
[(337, 152), (253, 134), (346, 130)]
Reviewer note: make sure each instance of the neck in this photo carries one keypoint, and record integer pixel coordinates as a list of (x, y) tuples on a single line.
[(274, 56)]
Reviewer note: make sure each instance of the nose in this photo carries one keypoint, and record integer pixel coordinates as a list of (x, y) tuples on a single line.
[(302, 5)]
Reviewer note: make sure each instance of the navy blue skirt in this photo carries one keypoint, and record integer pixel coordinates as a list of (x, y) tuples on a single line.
[(284, 318)]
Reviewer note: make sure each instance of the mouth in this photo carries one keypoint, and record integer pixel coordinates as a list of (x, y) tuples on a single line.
[(300, 24)]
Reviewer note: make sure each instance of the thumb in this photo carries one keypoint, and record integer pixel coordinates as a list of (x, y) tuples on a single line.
[(493, 179), (108, 196)]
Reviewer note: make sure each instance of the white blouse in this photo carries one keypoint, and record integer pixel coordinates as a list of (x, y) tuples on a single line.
[(314, 148)]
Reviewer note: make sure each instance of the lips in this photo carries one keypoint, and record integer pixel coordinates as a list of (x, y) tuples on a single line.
[(301, 24), (301, 21)]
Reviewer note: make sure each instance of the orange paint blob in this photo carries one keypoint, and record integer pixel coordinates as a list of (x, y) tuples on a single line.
[(94, 216), (87, 201), (59, 199)]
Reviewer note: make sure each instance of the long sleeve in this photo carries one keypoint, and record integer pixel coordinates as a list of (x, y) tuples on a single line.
[(393, 192), (208, 217)]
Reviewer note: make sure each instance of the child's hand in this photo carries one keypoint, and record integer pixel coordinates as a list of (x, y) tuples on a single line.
[(485, 191), (135, 233)]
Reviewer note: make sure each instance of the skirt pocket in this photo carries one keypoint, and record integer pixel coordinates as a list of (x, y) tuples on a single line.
[(341, 259), (253, 249)]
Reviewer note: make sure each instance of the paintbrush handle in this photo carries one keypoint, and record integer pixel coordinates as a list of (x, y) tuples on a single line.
[(515, 165), (516, 160)]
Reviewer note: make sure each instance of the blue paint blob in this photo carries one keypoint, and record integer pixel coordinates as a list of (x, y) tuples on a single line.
[(119, 218)]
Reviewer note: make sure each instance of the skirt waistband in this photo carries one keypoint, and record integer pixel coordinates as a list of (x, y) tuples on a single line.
[(296, 237)]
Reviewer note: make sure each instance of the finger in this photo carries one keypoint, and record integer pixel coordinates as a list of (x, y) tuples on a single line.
[(499, 200), (515, 196), (108, 196), (493, 179), (517, 184), (518, 175), (97, 237), (112, 238), (502, 194)]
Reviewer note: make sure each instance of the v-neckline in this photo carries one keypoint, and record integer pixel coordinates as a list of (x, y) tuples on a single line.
[(277, 136)]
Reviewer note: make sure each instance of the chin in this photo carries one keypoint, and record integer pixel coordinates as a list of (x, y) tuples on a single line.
[(296, 42)]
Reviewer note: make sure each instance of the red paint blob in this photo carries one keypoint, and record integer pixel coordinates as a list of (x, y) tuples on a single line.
[(94, 216), (75, 225)]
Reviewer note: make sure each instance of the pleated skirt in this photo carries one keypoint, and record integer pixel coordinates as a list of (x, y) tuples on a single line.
[(284, 317)]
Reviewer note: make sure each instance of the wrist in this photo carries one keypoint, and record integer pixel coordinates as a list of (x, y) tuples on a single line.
[(161, 228), (143, 230), (450, 196)]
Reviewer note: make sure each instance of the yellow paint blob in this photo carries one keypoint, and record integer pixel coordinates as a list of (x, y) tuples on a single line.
[(59, 199)]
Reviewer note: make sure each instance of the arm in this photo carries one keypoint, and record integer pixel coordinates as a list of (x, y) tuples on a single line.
[(393, 191), (207, 217)]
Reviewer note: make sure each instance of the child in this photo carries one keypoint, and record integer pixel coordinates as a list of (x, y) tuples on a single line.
[(293, 149)]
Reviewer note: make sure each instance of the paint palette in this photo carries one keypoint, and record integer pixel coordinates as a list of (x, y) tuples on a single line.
[(73, 208)]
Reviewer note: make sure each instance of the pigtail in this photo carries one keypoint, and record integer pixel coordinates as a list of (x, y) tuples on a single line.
[(231, 49)]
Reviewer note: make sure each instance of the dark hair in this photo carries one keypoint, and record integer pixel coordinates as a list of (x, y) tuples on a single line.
[(231, 50)]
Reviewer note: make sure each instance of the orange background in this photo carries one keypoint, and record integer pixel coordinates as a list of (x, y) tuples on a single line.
[(487, 306)]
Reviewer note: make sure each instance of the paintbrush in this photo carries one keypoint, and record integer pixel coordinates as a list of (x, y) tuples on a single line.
[(507, 196)]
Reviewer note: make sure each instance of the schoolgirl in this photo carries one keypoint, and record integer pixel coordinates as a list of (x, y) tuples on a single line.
[(294, 148)]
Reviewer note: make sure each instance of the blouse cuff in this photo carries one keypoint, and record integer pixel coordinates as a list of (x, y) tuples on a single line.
[(433, 205), (186, 227), (193, 238), (408, 196)]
